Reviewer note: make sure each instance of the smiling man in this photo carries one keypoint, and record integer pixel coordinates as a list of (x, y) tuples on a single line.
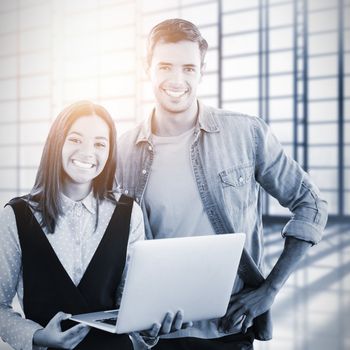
[(199, 170)]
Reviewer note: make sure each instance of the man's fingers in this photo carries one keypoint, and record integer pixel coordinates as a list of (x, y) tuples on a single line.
[(177, 323), (154, 330), (248, 320), (231, 320), (187, 325), (167, 323)]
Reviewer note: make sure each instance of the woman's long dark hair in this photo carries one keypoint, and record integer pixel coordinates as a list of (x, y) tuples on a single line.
[(44, 196)]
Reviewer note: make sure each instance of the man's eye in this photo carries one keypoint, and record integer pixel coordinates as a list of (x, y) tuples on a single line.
[(189, 70), (100, 145)]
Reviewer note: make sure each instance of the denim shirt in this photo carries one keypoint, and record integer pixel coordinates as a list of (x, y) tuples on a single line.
[(233, 157)]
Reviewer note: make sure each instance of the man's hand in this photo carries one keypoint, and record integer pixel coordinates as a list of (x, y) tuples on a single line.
[(171, 323), (53, 337), (249, 303)]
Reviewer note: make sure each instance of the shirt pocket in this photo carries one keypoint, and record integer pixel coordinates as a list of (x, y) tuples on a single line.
[(238, 186)]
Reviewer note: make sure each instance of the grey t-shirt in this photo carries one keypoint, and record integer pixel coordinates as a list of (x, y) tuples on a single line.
[(172, 198)]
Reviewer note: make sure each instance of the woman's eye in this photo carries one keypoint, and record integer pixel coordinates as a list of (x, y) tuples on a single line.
[(74, 140)]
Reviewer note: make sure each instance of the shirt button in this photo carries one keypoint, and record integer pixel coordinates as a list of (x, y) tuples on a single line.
[(144, 171), (126, 191), (137, 199), (150, 148), (240, 179)]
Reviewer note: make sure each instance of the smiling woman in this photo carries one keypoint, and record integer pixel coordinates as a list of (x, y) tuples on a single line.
[(82, 136), (54, 241)]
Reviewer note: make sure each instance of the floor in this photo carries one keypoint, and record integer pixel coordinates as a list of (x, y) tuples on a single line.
[(312, 311)]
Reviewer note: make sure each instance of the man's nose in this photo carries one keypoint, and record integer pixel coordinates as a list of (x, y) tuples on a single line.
[(177, 77)]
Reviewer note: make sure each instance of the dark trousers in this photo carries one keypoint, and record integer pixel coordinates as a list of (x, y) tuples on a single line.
[(230, 342)]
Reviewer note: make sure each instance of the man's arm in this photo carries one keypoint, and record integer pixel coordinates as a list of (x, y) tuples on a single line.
[(254, 302)]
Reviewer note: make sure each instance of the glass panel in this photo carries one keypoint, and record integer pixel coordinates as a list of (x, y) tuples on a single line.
[(30, 156), (8, 111), (8, 67), (283, 131), (281, 15), (323, 133), (323, 111), (241, 21), (201, 14), (27, 178), (34, 132), (240, 44), (323, 156), (37, 86), (239, 89), (281, 62), (8, 178), (240, 67), (321, 66), (37, 63), (209, 85), (8, 134), (322, 43), (323, 20), (280, 108), (250, 108), (8, 156), (326, 179), (37, 109), (229, 5), (8, 89), (323, 88), (281, 85)]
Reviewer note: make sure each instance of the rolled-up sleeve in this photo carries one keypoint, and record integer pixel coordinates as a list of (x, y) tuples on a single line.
[(284, 179)]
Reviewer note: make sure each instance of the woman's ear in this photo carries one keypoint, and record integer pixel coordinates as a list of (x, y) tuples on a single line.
[(146, 68)]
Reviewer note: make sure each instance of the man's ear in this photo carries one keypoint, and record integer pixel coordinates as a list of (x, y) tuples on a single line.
[(203, 68)]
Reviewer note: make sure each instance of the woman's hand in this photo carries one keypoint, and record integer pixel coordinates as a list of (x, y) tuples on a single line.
[(52, 336)]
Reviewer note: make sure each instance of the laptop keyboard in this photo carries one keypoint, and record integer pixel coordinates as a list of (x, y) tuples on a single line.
[(112, 321)]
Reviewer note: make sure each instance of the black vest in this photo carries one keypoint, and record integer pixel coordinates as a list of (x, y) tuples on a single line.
[(48, 288)]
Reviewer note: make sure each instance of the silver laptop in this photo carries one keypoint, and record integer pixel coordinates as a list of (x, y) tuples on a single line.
[(193, 274)]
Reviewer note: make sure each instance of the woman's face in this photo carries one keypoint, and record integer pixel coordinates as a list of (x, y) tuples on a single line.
[(85, 150)]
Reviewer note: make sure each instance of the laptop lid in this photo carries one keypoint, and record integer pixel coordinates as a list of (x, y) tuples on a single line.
[(194, 274)]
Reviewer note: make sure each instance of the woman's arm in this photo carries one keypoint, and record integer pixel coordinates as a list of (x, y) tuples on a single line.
[(14, 329)]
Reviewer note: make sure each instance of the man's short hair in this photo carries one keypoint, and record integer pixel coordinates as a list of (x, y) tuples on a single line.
[(172, 31)]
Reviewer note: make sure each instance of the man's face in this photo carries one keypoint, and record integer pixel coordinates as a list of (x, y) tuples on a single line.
[(175, 72)]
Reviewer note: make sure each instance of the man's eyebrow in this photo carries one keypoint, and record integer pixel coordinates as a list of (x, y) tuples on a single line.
[(164, 64)]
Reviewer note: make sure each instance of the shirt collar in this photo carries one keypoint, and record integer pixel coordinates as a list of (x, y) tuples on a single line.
[(89, 202), (206, 122)]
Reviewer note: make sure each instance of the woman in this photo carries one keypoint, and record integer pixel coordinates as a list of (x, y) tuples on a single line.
[(63, 247)]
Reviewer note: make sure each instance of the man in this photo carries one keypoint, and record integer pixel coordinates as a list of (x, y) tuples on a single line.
[(199, 170)]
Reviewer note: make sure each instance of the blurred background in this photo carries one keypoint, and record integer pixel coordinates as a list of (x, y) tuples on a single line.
[(287, 61)]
